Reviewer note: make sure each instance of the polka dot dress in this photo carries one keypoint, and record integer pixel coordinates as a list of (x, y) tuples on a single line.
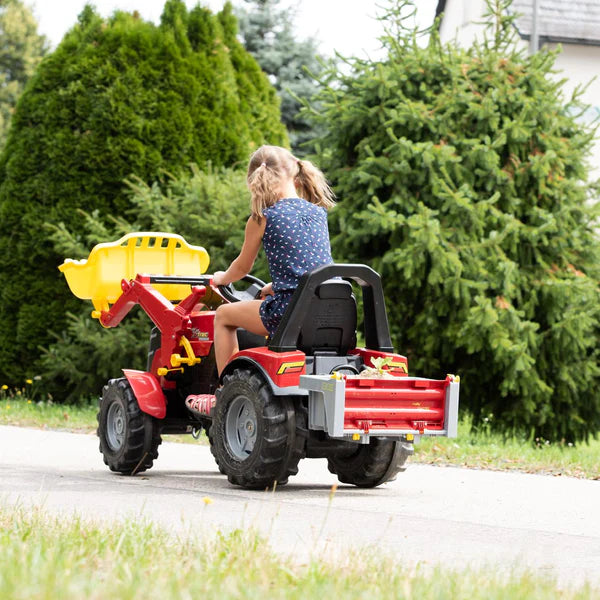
[(296, 240)]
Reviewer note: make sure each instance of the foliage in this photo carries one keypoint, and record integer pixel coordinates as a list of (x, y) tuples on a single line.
[(21, 50), (85, 356), (267, 32), (45, 556), (207, 207), (19, 410), (378, 368), (461, 177), (479, 447), (117, 98)]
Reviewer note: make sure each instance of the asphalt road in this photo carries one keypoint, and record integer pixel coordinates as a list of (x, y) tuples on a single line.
[(454, 517)]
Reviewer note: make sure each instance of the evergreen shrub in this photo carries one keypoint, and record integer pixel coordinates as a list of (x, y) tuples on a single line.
[(117, 98), (208, 207), (461, 176)]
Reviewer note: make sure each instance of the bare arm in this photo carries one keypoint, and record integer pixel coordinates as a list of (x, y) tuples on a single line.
[(242, 265)]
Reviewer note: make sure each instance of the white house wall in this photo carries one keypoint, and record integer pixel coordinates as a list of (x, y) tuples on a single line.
[(459, 23), (578, 64)]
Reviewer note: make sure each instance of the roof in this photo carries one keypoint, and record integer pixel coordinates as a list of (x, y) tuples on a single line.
[(566, 21)]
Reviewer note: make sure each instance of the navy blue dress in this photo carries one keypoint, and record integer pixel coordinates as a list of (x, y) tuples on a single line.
[(296, 240)]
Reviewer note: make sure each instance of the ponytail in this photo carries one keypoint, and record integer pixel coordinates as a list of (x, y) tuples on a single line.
[(262, 183), (312, 185), (270, 165)]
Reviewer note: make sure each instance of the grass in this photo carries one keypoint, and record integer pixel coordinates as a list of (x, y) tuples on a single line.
[(47, 557), (473, 449), (16, 409), (486, 450)]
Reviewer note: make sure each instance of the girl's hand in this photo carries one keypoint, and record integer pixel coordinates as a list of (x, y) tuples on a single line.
[(267, 290), (219, 278)]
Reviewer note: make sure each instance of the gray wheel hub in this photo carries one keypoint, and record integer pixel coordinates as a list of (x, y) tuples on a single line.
[(115, 427), (241, 424)]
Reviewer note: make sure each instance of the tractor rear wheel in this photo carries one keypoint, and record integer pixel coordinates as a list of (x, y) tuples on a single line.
[(129, 438), (257, 438), (211, 442), (371, 464)]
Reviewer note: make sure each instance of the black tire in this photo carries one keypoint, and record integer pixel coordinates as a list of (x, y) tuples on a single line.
[(211, 443), (129, 438), (257, 438), (371, 464)]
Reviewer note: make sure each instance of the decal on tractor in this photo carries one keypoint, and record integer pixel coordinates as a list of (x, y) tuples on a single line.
[(291, 367)]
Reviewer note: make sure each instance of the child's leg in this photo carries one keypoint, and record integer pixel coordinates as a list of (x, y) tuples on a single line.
[(227, 319)]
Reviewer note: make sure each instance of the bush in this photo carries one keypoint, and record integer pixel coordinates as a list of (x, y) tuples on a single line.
[(461, 177), (207, 207), (117, 98)]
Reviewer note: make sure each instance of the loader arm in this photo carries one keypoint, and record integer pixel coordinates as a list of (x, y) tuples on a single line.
[(173, 321)]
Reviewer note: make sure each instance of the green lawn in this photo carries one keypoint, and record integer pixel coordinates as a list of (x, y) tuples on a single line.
[(470, 449), (16, 409), (46, 558), (483, 450)]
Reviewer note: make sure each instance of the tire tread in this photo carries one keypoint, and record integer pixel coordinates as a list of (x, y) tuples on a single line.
[(283, 443), (142, 439), (373, 464)]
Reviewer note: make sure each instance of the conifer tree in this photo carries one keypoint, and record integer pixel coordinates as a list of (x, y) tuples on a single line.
[(267, 32), (118, 97), (461, 176), (21, 50)]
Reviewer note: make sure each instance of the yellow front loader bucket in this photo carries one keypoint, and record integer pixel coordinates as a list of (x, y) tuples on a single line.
[(152, 253)]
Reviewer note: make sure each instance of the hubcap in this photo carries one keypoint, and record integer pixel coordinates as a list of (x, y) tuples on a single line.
[(115, 427), (240, 427)]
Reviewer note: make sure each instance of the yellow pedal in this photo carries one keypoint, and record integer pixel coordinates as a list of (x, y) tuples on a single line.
[(162, 371), (190, 359)]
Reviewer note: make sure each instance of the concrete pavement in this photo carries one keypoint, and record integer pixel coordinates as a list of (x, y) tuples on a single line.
[(455, 517)]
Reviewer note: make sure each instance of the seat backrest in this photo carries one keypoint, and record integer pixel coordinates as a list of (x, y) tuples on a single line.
[(321, 315), (330, 324)]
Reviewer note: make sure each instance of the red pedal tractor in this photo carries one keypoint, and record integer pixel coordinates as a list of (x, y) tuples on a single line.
[(306, 392)]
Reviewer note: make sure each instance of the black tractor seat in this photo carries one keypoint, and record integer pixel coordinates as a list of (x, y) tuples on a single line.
[(321, 318), (330, 324)]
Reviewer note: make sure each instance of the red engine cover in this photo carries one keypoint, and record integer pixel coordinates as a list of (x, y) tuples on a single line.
[(284, 368)]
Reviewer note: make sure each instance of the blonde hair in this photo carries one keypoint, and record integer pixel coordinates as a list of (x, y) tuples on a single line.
[(270, 165)]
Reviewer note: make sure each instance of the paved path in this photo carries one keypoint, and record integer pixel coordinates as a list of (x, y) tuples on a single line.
[(455, 517)]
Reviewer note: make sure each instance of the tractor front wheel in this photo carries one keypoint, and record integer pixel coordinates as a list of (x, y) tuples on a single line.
[(257, 438), (371, 464), (129, 438)]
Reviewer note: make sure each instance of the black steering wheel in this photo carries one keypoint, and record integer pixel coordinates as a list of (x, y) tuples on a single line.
[(252, 292)]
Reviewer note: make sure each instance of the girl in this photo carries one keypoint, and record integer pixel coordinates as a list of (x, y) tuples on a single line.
[(289, 202)]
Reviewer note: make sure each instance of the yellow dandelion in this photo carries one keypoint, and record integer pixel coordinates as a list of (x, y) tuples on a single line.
[(28, 401), (207, 500), (18, 392), (8, 406), (29, 381), (4, 387)]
